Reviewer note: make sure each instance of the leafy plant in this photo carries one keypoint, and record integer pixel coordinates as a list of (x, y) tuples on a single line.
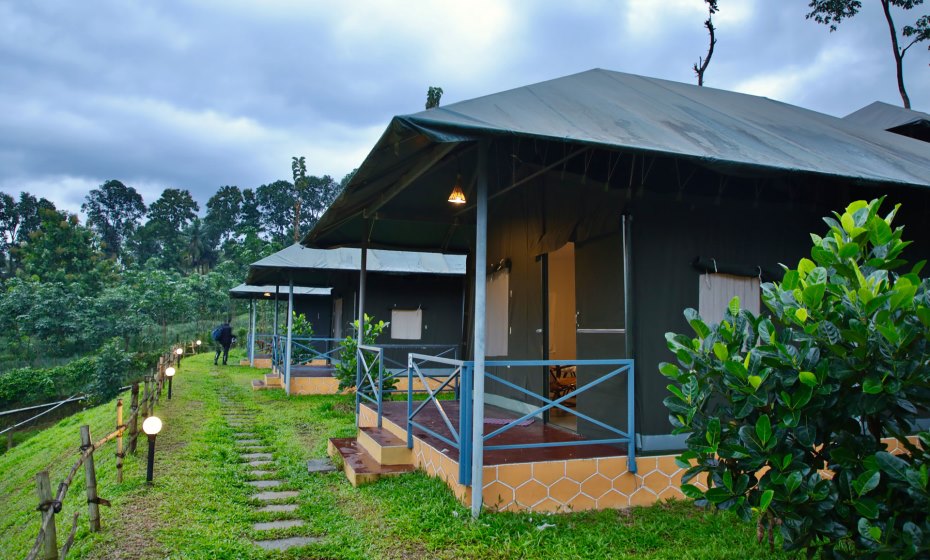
[(347, 368), (786, 415), (112, 368)]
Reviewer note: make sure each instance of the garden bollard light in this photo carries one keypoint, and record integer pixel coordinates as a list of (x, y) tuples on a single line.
[(169, 373), (151, 427)]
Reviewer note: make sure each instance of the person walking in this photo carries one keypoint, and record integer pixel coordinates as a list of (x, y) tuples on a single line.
[(224, 337)]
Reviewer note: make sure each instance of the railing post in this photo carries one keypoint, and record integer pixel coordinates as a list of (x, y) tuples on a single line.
[(133, 417), (409, 400), (119, 441), (631, 420), (380, 385), (90, 477), (465, 425), (50, 540), (358, 383)]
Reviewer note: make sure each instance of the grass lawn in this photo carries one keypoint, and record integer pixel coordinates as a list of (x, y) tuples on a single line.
[(199, 505)]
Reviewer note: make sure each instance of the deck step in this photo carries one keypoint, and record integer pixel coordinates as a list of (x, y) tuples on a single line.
[(384, 447), (359, 466), (273, 380), (258, 384)]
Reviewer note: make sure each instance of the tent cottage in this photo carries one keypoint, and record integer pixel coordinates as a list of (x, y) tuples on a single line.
[(419, 294), (598, 206)]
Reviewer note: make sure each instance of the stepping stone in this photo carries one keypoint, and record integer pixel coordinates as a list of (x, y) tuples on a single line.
[(271, 495), (284, 524), (320, 466), (256, 456), (277, 508), (259, 463), (248, 441), (244, 435), (285, 544), (265, 483), (260, 473), (261, 449)]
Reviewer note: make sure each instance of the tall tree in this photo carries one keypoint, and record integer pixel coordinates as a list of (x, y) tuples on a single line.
[(113, 211), (321, 193), (168, 217), (301, 186), (833, 12), (433, 96), (60, 250), (250, 217), (276, 202), (223, 210), (701, 66)]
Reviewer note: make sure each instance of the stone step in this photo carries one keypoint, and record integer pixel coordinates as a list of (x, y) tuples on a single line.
[(287, 544), (260, 473), (248, 441), (256, 456), (265, 483), (277, 508), (384, 447), (320, 466), (283, 524), (359, 466), (275, 495), (260, 463)]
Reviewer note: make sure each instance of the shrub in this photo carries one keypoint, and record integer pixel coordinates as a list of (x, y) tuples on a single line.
[(112, 368), (346, 369), (772, 405)]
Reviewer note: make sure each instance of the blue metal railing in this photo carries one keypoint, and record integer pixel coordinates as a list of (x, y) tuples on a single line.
[(369, 379), (304, 349), (462, 439)]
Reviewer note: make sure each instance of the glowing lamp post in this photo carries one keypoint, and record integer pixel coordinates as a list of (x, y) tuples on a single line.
[(198, 343), (169, 373), (151, 427), (179, 352)]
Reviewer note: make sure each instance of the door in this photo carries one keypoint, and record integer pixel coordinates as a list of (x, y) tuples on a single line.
[(600, 330)]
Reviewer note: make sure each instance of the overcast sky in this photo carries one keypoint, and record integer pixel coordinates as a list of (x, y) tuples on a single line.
[(197, 95)]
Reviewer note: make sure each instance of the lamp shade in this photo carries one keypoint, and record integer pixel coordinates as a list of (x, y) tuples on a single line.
[(152, 425), (179, 351), (198, 342), (169, 371), (457, 196)]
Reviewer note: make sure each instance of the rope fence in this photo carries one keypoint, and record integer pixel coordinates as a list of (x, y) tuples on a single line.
[(46, 543)]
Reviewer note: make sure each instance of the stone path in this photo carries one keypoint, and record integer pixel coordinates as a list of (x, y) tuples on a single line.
[(258, 459)]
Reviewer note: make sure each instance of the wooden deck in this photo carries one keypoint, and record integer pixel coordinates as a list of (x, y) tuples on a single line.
[(536, 432)]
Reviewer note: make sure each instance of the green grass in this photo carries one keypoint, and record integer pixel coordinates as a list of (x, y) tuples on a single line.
[(199, 505)]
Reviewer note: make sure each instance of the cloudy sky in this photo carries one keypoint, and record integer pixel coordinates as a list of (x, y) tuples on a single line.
[(197, 95)]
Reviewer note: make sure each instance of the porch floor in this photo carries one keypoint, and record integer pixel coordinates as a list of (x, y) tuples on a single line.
[(537, 432), (312, 371)]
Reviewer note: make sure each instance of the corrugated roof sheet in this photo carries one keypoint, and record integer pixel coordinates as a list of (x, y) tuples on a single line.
[(882, 116)]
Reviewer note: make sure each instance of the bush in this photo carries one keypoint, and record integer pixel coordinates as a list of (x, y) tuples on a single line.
[(772, 404), (346, 370), (112, 368)]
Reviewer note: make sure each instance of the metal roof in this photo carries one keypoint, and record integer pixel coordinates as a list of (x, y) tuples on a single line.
[(244, 291), (722, 130), (882, 116), (319, 267)]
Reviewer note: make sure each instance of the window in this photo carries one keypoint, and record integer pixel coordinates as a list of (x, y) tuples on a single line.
[(497, 320), (717, 290), (407, 324)]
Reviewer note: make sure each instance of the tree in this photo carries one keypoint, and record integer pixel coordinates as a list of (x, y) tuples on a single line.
[(223, 211), (701, 66), (301, 187), (250, 217), (113, 211), (169, 216), (200, 248), (433, 96), (60, 250), (276, 202), (833, 12), (320, 195), (771, 403)]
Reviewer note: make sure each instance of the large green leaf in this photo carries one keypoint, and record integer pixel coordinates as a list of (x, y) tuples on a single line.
[(893, 465), (872, 384), (764, 429), (807, 378), (866, 482)]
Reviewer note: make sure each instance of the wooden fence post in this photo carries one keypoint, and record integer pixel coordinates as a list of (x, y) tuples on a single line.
[(44, 491), (145, 399), (90, 477), (133, 415), (119, 441)]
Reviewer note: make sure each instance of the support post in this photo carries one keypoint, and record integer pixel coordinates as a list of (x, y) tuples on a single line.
[(252, 313), (90, 478), (274, 339), (133, 418), (362, 274), (481, 267), (119, 441), (626, 225), (290, 325), (50, 539)]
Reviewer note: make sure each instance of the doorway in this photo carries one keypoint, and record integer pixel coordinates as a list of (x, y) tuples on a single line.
[(561, 330)]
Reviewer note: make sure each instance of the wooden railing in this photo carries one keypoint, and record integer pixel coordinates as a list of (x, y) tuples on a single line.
[(46, 543)]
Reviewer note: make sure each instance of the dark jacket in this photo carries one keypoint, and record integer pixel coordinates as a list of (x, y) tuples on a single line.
[(226, 335)]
